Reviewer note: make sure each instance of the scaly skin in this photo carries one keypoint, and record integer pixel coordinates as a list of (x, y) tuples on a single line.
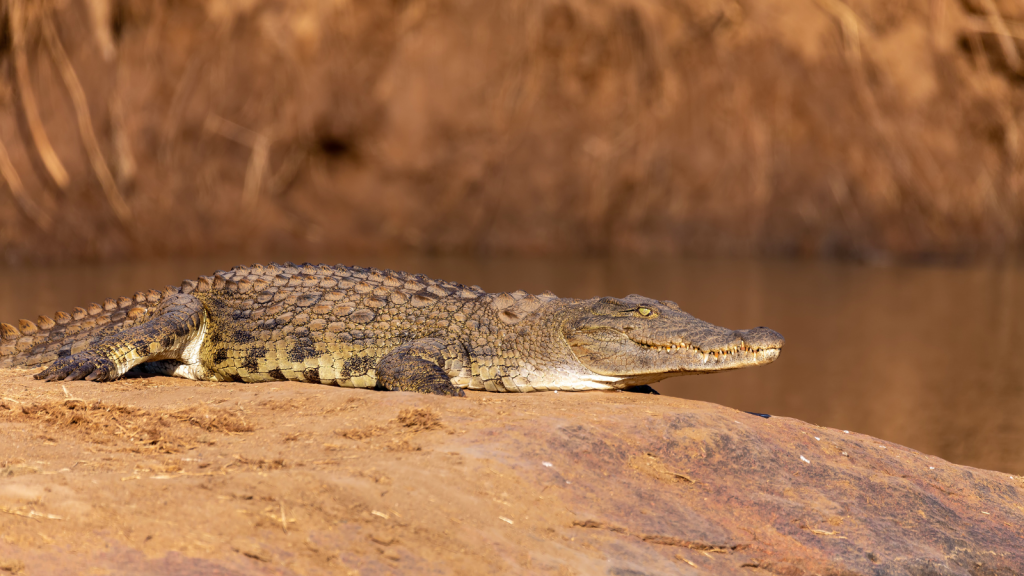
[(370, 328)]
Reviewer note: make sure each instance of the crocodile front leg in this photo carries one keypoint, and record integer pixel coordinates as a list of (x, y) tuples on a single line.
[(417, 366), (173, 332)]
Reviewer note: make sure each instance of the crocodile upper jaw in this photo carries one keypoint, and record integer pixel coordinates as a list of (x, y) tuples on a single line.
[(627, 355)]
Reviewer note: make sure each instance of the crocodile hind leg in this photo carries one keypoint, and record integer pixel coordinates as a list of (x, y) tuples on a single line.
[(417, 366), (174, 331)]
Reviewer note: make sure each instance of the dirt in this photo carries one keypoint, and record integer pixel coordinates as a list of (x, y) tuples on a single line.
[(169, 476), (862, 128)]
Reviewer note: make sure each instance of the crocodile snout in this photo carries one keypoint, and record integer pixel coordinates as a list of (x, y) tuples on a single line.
[(760, 338)]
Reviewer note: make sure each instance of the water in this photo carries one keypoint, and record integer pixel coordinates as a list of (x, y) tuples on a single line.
[(927, 357)]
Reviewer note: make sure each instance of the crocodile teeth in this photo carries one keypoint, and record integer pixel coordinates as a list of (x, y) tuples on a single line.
[(684, 346)]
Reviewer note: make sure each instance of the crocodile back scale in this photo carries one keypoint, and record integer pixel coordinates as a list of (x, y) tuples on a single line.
[(369, 328)]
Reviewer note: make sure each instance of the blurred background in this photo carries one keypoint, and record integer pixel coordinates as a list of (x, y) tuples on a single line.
[(847, 172)]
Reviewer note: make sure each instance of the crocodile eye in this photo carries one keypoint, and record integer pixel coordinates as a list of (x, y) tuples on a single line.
[(643, 311)]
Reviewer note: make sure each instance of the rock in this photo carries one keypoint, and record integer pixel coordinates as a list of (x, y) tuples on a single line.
[(585, 483)]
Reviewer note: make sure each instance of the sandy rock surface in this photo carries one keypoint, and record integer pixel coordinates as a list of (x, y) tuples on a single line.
[(167, 476)]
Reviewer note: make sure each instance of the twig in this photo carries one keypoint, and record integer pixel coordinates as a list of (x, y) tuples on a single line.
[(230, 130), (1012, 29), (31, 514), (978, 49), (85, 129), (1006, 43), (99, 14), (284, 523), (127, 434), (69, 397), (15, 512), (260, 144), (254, 172), (683, 558), (218, 35), (182, 92), (126, 166), (286, 174), (817, 532), (29, 107), (850, 24), (26, 204)]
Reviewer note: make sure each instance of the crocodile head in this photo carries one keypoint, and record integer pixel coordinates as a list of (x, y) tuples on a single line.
[(639, 340)]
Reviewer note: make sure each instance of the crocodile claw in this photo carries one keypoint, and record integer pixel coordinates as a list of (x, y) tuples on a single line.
[(81, 366), (449, 390)]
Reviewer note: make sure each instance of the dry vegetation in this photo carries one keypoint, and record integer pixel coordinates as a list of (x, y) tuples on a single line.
[(145, 430), (866, 128)]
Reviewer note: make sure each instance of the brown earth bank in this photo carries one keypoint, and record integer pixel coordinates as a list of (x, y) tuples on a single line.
[(865, 128), (169, 476)]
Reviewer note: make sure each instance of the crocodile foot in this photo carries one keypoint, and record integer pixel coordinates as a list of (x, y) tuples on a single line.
[(81, 366), (416, 367)]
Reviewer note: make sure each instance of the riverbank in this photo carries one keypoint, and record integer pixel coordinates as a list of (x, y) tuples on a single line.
[(867, 130)]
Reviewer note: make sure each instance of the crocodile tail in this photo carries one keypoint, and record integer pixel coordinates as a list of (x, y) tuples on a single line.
[(35, 344)]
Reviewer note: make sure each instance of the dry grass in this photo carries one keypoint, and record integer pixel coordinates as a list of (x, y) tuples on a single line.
[(409, 421), (419, 419), (101, 423)]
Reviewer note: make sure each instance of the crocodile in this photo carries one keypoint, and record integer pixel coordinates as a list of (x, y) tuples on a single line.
[(371, 328)]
